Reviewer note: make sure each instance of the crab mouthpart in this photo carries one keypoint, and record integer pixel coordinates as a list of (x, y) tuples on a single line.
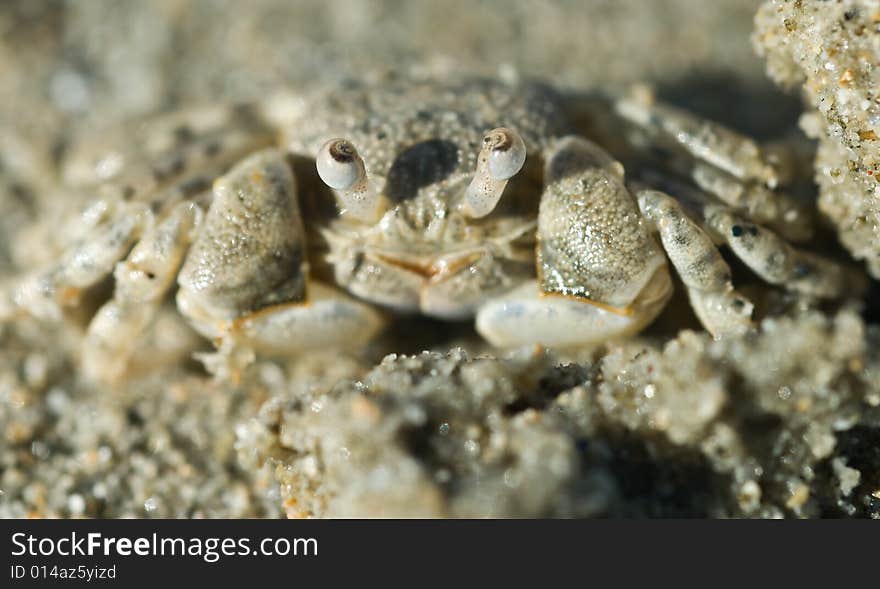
[(430, 269)]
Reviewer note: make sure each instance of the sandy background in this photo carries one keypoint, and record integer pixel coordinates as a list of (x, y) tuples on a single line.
[(176, 444)]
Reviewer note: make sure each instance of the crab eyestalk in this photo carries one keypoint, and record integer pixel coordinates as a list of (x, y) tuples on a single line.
[(342, 169), (502, 156)]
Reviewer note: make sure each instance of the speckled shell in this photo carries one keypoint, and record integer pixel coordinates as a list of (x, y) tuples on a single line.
[(249, 252), (592, 243), (412, 135)]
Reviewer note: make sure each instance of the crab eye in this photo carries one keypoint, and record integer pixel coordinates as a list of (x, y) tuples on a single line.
[(507, 153), (342, 169), (339, 164), (502, 156)]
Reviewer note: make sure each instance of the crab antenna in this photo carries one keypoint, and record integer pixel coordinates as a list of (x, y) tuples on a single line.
[(342, 169), (502, 156)]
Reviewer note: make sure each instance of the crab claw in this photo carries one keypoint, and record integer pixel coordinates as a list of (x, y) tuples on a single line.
[(502, 156), (342, 169)]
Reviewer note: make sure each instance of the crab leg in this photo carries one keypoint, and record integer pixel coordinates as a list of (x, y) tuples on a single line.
[(756, 200), (769, 255), (703, 271), (144, 187), (777, 262), (710, 142), (720, 161), (44, 293), (180, 156), (142, 281)]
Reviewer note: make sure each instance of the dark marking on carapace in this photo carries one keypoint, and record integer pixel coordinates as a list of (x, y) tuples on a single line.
[(421, 165)]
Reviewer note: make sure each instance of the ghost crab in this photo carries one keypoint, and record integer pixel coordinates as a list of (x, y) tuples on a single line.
[(455, 200)]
